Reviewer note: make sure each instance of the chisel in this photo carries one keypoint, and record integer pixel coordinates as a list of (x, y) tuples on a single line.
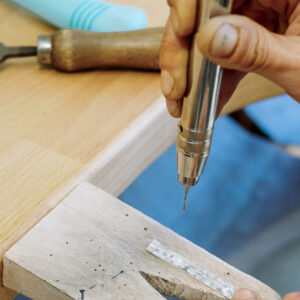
[(75, 50)]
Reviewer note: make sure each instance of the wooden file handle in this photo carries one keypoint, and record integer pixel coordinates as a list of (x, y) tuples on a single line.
[(74, 50)]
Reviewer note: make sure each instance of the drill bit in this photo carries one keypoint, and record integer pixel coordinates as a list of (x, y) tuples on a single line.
[(186, 190), (8, 52)]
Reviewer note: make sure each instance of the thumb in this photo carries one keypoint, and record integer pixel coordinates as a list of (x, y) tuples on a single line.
[(237, 42), (292, 296), (244, 294)]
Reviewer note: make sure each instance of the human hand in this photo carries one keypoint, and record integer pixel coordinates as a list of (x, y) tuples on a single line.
[(262, 37), (244, 294)]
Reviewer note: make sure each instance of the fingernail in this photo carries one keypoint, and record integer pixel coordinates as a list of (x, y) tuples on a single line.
[(172, 107), (225, 41), (244, 294), (167, 82)]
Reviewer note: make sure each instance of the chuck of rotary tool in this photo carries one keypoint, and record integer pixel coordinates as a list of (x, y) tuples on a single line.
[(200, 102)]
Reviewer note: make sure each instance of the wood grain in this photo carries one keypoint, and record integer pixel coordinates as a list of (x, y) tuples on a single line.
[(152, 133), (29, 176), (91, 237), (59, 129)]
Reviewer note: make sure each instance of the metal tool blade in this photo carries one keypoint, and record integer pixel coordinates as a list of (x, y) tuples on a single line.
[(8, 52), (193, 270), (186, 190)]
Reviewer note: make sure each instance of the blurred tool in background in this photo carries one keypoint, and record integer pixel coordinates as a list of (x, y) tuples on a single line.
[(75, 50), (92, 15)]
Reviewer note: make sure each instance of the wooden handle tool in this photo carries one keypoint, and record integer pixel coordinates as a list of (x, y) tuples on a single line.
[(74, 50)]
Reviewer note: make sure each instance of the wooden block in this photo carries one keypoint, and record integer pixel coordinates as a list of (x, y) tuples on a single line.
[(93, 246)]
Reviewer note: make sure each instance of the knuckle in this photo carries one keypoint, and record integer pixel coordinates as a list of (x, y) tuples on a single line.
[(259, 59), (252, 53)]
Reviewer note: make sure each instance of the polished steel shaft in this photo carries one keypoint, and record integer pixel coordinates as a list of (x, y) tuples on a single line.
[(200, 103)]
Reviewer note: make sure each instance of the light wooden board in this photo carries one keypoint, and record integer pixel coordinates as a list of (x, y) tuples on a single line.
[(77, 121), (152, 133), (90, 238)]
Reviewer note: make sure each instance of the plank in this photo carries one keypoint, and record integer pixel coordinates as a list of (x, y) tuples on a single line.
[(93, 242)]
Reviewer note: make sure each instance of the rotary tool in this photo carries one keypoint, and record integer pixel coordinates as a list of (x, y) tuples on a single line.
[(200, 103)]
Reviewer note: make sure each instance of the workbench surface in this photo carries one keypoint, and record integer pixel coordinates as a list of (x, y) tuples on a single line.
[(55, 127), (52, 123)]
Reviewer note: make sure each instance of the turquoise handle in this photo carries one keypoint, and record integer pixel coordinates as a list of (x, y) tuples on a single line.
[(92, 15)]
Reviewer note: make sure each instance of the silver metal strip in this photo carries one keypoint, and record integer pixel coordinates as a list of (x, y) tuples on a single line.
[(197, 272)]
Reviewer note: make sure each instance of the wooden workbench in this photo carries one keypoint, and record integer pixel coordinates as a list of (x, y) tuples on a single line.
[(58, 130)]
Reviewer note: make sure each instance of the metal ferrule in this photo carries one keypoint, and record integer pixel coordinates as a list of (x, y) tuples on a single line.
[(192, 155), (44, 50), (200, 103)]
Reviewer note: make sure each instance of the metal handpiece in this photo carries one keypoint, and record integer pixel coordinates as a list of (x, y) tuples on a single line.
[(200, 103)]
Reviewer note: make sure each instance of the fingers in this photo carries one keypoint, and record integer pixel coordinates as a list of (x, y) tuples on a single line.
[(238, 43), (292, 296), (183, 15), (174, 53), (244, 294)]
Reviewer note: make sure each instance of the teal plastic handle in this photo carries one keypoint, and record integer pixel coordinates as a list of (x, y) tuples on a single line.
[(92, 15)]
